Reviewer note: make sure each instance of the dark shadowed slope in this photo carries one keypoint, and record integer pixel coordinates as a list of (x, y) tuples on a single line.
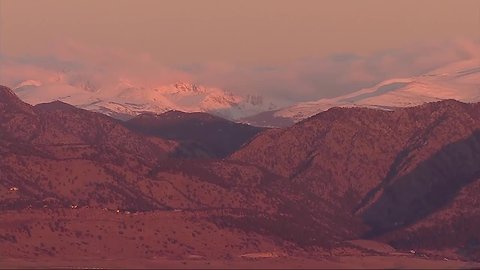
[(200, 134)]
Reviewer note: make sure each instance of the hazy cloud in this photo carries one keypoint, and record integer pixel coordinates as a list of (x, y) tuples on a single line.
[(302, 80)]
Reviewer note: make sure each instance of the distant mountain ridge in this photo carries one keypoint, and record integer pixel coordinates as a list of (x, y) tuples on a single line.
[(459, 81), (126, 100)]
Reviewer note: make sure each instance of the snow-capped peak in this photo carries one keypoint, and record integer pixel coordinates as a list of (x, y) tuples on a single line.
[(127, 99)]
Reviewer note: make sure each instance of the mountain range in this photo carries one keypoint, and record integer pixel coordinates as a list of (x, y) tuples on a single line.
[(127, 100), (79, 184), (458, 80)]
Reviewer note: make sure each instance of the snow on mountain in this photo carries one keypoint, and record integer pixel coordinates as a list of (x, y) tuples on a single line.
[(28, 83), (126, 99), (460, 81)]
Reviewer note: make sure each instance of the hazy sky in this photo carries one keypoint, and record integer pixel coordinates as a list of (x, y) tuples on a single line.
[(242, 37), (252, 31)]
